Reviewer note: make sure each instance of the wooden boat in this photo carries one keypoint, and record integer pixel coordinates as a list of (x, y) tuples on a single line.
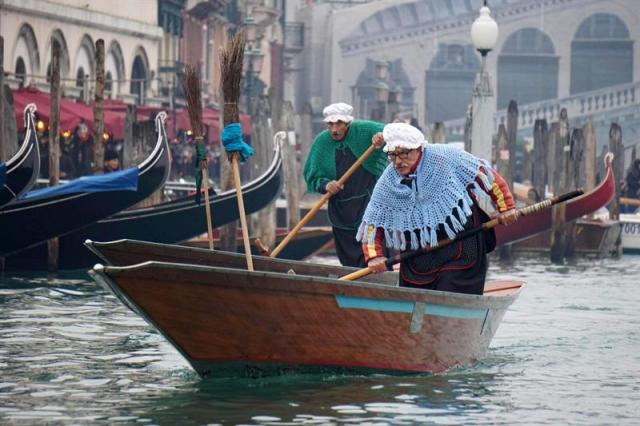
[(541, 221), (296, 316), (21, 171), (630, 224), (306, 242), (595, 238), (39, 216), (170, 222)]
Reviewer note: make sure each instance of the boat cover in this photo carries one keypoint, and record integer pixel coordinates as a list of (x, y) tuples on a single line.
[(123, 180), (3, 173)]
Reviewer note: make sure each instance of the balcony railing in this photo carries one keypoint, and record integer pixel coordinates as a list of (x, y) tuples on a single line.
[(577, 106)]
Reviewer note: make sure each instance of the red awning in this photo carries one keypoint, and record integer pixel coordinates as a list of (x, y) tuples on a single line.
[(71, 113)]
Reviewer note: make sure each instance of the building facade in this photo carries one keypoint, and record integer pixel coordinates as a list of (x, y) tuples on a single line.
[(129, 29), (547, 50)]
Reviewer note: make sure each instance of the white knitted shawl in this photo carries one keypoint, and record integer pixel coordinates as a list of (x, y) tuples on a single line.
[(441, 182)]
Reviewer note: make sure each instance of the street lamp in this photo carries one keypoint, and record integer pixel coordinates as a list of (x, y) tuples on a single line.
[(484, 34), (251, 29)]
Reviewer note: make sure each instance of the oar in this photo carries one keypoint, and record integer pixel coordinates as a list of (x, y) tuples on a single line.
[(630, 201), (465, 234), (317, 206)]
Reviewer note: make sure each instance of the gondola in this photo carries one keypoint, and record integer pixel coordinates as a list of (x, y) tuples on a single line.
[(289, 316), (50, 212), (170, 222), (541, 221), (20, 172)]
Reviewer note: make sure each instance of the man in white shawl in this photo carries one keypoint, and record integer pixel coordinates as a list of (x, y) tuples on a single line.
[(427, 194)]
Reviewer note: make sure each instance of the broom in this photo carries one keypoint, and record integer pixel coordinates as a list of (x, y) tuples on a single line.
[(231, 58), (193, 95)]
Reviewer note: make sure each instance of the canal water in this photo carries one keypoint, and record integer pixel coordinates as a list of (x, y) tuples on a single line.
[(567, 352)]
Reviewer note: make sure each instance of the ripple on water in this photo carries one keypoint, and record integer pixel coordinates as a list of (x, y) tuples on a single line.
[(566, 352)]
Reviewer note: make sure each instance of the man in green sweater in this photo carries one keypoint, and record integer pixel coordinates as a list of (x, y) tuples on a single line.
[(333, 151)]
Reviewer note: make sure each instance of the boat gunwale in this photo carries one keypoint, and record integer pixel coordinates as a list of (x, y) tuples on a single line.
[(261, 280)]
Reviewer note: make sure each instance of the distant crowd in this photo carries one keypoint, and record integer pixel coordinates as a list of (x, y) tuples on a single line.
[(76, 155)]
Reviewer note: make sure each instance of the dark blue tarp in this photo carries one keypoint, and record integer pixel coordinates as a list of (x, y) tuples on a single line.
[(3, 173), (124, 180)]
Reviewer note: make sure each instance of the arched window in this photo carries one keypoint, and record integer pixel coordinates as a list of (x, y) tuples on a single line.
[(139, 79), (114, 67), (601, 54), (527, 68), (108, 84), (21, 70), (65, 67), (449, 82), (80, 78), (26, 51)]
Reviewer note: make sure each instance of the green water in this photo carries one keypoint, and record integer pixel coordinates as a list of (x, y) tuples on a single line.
[(567, 352)]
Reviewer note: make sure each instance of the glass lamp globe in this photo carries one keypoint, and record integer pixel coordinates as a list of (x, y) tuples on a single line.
[(484, 31)]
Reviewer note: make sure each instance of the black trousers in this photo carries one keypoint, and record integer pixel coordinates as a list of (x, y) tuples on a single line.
[(349, 250)]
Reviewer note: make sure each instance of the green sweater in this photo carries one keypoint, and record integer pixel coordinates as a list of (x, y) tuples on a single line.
[(320, 166)]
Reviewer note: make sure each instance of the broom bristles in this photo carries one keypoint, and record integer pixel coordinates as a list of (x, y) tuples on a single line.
[(193, 95), (231, 59)]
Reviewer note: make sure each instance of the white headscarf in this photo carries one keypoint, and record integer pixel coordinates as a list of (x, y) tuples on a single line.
[(402, 135), (338, 112)]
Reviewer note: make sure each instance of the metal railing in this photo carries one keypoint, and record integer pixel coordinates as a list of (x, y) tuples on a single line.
[(579, 105)]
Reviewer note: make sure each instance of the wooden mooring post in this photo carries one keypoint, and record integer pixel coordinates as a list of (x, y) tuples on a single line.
[(98, 110), (539, 163), (438, 134), (616, 147), (468, 124), (291, 168), (2, 138), (590, 153), (505, 151), (3, 155), (54, 144), (262, 223), (559, 236)]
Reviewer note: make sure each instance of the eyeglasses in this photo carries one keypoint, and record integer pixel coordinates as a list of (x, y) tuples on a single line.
[(403, 155)]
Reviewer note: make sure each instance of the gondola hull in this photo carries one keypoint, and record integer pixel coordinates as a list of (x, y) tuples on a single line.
[(170, 222), (21, 171), (542, 220), (295, 316), (28, 222)]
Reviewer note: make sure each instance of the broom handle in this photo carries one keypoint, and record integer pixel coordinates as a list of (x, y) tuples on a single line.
[(243, 218), (469, 232), (207, 206), (322, 201)]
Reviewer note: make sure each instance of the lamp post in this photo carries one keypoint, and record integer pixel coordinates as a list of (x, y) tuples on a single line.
[(484, 34)]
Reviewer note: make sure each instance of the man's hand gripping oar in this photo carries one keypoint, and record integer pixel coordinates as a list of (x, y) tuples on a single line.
[(333, 188), (469, 232)]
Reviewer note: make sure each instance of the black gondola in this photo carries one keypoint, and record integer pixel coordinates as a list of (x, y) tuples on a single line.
[(170, 222), (21, 171), (39, 216)]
